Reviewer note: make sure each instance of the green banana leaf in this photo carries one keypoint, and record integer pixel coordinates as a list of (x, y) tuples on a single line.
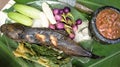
[(95, 4), (110, 53), (7, 59)]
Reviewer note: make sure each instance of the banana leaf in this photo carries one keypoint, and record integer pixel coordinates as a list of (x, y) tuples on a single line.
[(7, 59), (111, 53), (95, 4)]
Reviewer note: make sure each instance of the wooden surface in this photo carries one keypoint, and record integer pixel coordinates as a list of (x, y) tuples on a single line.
[(3, 3)]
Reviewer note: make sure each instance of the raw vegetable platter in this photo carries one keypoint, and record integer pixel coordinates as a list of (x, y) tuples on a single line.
[(111, 52)]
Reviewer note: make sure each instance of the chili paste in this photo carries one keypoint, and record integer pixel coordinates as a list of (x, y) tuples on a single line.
[(108, 23)]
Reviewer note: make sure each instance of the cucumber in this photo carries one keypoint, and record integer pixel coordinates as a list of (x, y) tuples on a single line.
[(27, 10), (20, 18)]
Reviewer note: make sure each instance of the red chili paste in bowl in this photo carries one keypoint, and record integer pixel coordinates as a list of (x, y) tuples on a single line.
[(108, 23)]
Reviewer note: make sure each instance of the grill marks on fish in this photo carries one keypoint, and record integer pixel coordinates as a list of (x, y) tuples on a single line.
[(53, 40), (29, 38), (40, 37)]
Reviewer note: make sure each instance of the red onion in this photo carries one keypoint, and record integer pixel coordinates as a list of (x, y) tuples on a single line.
[(60, 25), (61, 11), (52, 26), (72, 35), (66, 9), (58, 17), (55, 11), (78, 21), (75, 28)]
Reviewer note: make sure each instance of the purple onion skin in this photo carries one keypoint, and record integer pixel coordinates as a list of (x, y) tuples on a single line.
[(66, 10), (52, 26), (55, 11), (60, 26), (72, 35), (75, 28), (61, 11), (58, 17), (78, 21)]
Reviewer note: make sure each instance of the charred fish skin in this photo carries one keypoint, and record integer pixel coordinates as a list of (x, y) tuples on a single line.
[(58, 41), (41, 35), (45, 36)]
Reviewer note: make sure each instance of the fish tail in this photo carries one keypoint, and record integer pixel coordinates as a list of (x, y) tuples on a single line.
[(93, 56)]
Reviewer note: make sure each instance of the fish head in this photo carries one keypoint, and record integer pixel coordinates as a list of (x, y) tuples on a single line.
[(13, 30)]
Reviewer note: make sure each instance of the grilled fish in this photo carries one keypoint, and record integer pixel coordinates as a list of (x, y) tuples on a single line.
[(46, 37)]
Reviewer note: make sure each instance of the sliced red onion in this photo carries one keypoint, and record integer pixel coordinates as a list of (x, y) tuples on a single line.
[(60, 25), (52, 26), (78, 21)]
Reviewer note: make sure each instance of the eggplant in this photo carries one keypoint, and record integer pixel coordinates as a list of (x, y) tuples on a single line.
[(105, 28)]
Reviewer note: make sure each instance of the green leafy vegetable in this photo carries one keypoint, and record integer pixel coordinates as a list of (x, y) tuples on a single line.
[(7, 59), (41, 54)]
